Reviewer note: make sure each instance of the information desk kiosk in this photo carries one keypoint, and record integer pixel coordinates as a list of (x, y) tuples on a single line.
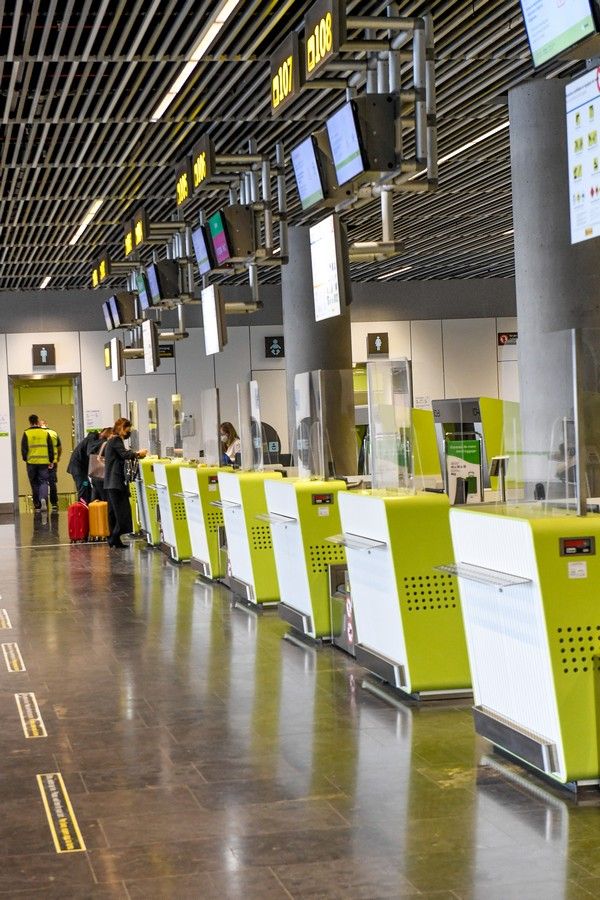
[(529, 581), (302, 515), (200, 487), (252, 574), (408, 616), (173, 517)]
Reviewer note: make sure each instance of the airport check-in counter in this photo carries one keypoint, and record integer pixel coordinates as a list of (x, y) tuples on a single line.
[(529, 587), (408, 616), (302, 515), (200, 487), (173, 517), (148, 500), (252, 572)]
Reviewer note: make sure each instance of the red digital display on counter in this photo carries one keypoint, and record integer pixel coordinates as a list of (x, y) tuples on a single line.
[(322, 499), (579, 546)]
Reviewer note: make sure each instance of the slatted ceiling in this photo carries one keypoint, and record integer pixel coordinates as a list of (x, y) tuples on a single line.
[(79, 81)]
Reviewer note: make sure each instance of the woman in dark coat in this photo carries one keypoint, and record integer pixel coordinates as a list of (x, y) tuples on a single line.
[(115, 485)]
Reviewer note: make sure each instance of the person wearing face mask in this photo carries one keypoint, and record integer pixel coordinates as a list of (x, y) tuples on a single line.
[(115, 484), (230, 443)]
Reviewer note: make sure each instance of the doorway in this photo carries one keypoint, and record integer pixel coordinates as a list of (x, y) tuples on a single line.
[(57, 400)]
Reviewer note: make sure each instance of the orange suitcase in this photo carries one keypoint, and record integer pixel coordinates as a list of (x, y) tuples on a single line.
[(99, 530)]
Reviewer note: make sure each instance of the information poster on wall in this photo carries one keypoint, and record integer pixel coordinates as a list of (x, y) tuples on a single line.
[(583, 129), (93, 420), (463, 470)]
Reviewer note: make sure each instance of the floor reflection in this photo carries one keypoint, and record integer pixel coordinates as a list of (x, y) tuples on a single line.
[(208, 757)]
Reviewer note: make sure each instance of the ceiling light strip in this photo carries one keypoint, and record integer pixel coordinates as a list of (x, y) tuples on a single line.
[(207, 37), (86, 221)]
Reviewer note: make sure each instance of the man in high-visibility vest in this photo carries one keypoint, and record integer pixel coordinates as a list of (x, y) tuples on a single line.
[(53, 479), (37, 451)]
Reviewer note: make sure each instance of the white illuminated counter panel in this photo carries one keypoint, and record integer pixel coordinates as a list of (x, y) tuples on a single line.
[(529, 588), (408, 617), (249, 544)]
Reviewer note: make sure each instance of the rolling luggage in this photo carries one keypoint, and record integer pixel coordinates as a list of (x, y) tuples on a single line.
[(98, 514), (78, 521)]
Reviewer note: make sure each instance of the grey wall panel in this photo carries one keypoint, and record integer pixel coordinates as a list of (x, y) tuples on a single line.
[(39, 311)]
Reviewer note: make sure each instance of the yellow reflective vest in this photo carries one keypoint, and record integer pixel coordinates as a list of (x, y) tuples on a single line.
[(38, 453)]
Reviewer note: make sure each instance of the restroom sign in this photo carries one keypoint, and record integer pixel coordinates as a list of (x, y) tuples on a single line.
[(378, 344), (44, 356), (274, 347)]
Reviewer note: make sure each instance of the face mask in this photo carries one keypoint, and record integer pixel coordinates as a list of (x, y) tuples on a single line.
[(223, 438)]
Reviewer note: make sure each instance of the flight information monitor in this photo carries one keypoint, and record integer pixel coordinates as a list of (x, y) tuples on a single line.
[(553, 26), (150, 345), (344, 139), (201, 250), (218, 237), (307, 174), (213, 320), (108, 320), (141, 283), (328, 275), (583, 132), (163, 282)]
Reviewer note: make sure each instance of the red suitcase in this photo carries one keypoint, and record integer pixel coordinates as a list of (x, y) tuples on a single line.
[(78, 521)]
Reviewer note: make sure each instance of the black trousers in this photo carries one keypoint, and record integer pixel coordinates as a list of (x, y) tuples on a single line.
[(119, 505), (52, 485), (38, 479)]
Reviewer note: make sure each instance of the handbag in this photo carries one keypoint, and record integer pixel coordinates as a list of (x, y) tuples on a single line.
[(131, 469), (97, 463)]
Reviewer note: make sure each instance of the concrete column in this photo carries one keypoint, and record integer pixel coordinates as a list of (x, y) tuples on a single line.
[(309, 345), (557, 284)]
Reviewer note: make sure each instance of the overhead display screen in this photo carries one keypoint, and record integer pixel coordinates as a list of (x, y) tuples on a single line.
[(344, 140), (153, 286), (218, 236), (327, 278), (150, 344), (583, 130), (201, 250), (215, 334), (143, 290), (108, 320), (114, 312), (555, 25), (307, 174)]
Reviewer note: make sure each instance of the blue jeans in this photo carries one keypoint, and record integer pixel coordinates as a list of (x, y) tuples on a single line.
[(39, 477)]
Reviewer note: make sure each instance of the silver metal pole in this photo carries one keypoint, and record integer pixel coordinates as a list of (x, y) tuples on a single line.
[(282, 200), (431, 101), (267, 200), (253, 273), (371, 68), (419, 82), (387, 215), (579, 423)]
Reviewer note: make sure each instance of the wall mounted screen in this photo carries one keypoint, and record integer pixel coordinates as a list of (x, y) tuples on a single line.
[(583, 132), (344, 140), (108, 320), (153, 285), (150, 344), (307, 174), (218, 237), (201, 250), (554, 26), (213, 319), (328, 274), (143, 291)]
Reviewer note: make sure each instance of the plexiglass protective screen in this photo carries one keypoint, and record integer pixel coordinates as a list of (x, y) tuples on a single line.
[(390, 425), (250, 426)]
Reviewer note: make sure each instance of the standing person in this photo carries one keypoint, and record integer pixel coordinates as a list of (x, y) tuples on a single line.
[(53, 473), (96, 457), (114, 480), (230, 443), (79, 464), (38, 453)]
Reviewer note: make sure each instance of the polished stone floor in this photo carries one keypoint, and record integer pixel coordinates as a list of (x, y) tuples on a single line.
[(207, 758)]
